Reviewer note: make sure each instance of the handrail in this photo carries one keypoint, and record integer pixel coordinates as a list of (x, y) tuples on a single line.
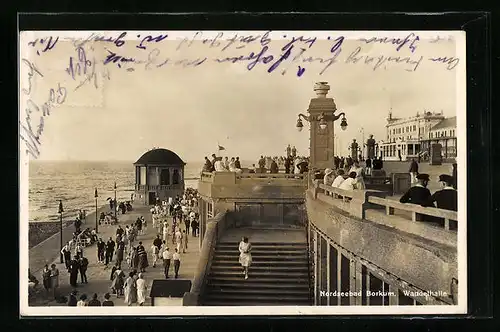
[(213, 230), (270, 175), (390, 205)]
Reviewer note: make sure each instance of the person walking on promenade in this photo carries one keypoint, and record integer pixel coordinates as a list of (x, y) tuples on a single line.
[(368, 166), (157, 241), (107, 302), (165, 230), (78, 249), (46, 279), (84, 263), (120, 249), (118, 281), (141, 289), (138, 226), (144, 224), (167, 256), (178, 239), (72, 301), (245, 256), (54, 279), (134, 258), (187, 223), (413, 171), (194, 226), (101, 248), (143, 257), (184, 241), (130, 290), (110, 249), (73, 271), (66, 252), (94, 302), (177, 262), (155, 252)]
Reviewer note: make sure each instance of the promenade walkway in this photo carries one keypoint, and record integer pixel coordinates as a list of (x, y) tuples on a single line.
[(99, 276)]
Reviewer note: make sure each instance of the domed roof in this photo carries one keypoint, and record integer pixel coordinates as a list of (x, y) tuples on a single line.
[(160, 157)]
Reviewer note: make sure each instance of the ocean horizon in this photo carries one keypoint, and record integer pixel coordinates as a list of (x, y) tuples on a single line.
[(74, 182)]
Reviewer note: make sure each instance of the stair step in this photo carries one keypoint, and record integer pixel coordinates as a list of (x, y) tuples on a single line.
[(260, 298), (257, 262), (275, 286), (263, 252), (266, 257), (257, 268), (265, 245), (239, 278), (252, 291), (278, 276), (249, 303)]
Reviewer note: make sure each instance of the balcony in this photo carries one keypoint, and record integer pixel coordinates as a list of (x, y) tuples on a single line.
[(252, 185), (143, 187)]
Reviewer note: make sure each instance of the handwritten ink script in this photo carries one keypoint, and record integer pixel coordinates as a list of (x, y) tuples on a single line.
[(89, 60), (31, 132)]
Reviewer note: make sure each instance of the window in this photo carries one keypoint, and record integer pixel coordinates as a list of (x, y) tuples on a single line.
[(414, 127)]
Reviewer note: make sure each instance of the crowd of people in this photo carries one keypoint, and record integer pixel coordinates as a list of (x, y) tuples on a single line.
[(173, 221)]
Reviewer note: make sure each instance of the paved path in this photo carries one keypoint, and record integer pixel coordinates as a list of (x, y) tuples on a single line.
[(99, 276)]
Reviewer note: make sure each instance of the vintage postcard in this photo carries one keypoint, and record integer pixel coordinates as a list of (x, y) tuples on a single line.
[(242, 173)]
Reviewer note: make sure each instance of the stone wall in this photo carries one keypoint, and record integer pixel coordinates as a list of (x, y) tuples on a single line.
[(426, 264)]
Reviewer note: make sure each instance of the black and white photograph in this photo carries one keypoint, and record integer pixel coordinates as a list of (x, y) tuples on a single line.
[(242, 173)]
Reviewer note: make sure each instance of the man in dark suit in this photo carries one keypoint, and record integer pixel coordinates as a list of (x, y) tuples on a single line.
[(446, 198), (418, 194), (413, 170)]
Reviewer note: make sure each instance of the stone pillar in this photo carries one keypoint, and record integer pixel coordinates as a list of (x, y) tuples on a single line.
[(315, 252), (339, 276), (321, 140), (393, 300), (367, 282), (352, 281), (359, 282)]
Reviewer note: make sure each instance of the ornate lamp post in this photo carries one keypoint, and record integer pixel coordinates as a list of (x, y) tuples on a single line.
[(321, 116), (96, 220), (60, 211), (114, 205)]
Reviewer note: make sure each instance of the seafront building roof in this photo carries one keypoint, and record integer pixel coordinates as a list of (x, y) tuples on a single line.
[(446, 123), (160, 156)]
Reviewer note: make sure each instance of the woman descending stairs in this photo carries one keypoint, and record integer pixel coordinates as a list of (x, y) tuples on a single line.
[(278, 275)]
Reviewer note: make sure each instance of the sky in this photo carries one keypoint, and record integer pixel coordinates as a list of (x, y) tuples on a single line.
[(193, 109)]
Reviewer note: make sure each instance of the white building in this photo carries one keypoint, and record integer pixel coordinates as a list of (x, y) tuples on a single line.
[(443, 133), (405, 137)]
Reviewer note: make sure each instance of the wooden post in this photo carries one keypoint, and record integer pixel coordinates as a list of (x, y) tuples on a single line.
[(389, 210), (447, 224)]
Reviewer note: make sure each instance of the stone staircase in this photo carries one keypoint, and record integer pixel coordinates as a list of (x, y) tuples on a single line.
[(279, 275)]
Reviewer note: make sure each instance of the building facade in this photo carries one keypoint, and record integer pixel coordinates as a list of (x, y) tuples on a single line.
[(159, 174), (443, 133), (410, 137)]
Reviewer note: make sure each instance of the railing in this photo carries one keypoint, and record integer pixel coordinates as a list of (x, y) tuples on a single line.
[(358, 201), (214, 229), (143, 187), (270, 176), (415, 210)]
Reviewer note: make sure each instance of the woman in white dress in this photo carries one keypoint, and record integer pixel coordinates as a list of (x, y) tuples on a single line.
[(245, 255), (141, 289), (359, 182)]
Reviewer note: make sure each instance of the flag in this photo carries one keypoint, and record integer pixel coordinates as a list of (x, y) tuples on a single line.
[(221, 148)]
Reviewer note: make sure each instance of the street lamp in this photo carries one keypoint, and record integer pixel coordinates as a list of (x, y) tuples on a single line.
[(323, 118), (114, 205), (96, 221), (60, 211)]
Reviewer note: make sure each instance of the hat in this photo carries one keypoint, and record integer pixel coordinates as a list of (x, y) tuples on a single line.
[(74, 292), (328, 171), (446, 178), (423, 177)]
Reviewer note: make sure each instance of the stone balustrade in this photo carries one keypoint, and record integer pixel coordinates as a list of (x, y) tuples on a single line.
[(215, 227)]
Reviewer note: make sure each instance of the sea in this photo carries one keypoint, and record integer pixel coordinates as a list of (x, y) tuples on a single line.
[(74, 182)]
